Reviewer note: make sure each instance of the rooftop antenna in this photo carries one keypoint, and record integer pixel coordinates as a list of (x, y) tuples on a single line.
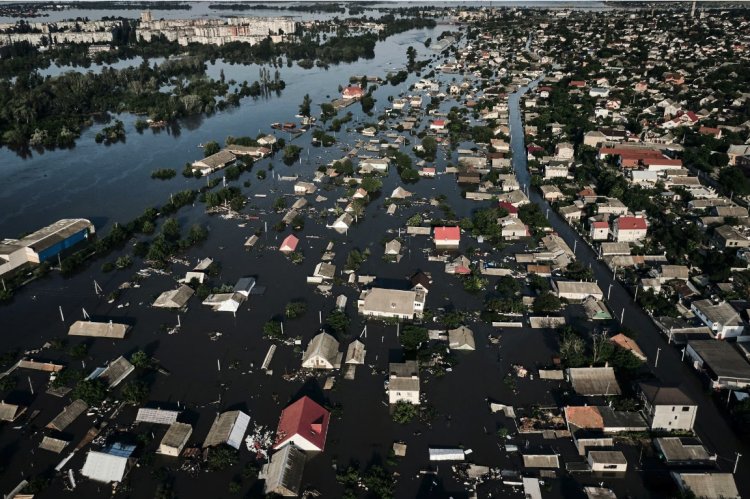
[(97, 288)]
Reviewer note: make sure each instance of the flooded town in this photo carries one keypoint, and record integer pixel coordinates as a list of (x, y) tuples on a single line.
[(375, 249)]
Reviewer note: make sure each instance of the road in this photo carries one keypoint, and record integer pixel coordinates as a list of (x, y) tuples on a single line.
[(711, 426)]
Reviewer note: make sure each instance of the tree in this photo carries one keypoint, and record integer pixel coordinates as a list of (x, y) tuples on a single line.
[(171, 229), (572, 349), (367, 102), (295, 309), (507, 286), (371, 184), (211, 148), (337, 321), (412, 337), (429, 146), (140, 359), (221, 458), (135, 392), (411, 56), (734, 181), (91, 391), (601, 348), (404, 412), (304, 108), (272, 330), (546, 303)]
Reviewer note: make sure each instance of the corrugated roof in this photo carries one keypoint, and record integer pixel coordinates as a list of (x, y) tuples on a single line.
[(68, 415), (98, 329), (306, 419)]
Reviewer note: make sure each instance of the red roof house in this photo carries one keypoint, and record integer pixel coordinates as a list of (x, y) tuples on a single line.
[(289, 244), (512, 210), (305, 424), (447, 237), (629, 229), (577, 83), (353, 92), (437, 125)]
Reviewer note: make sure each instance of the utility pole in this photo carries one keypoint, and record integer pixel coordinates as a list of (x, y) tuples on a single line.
[(736, 462), (656, 362), (609, 290), (622, 316), (635, 298)]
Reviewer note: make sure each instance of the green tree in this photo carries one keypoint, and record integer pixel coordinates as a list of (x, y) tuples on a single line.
[(295, 309), (135, 392), (140, 359), (338, 322), (222, 458), (211, 148), (304, 108), (91, 391), (371, 184), (404, 412), (412, 337), (546, 303)]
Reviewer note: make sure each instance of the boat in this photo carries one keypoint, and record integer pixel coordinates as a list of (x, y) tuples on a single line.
[(276, 126), (289, 126)]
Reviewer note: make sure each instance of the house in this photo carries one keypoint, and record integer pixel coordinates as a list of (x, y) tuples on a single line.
[(667, 408), (393, 247), (564, 151), (214, 162), (576, 290), (461, 338), (373, 164), (728, 237), (596, 309), (342, 223), (674, 272), (610, 461), (459, 265), (551, 193), (629, 344), (403, 382), (589, 381), (706, 485), (722, 318), (94, 329), (176, 298), (517, 198), (395, 303), (447, 237), (724, 365), (355, 354), (156, 416), (283, 473), (69, 414), (352, 92), (427, 171), (224, 302), (512, 228), (684, 451), (438, 124), (115, 372), (555, 171), (267, 140), (599, 231), (629, 229), (322, 353), (255, 152), (175, 439), (571, 213), (304, 188), (712, 132), (109, 465), (304, 424), (599, 92), (228, 428), (737, 151), (400, 193), (289, 244)]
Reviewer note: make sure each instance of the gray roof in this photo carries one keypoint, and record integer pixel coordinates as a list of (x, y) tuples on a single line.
[(355, 353), (722, 357), (608, 456), (68, 415), (719, 313), (659, 394), (408, 369), (461, 338), (175, 298), (541, 461), (10, 412), (176, 435), (594, 381), (678, 449), (599, 493), (55, 445), (392, 301), (116, 371), (322, 345), (284, 471), (708, 485), (157, 416), (52, 234), (223, 427), (218, 160)]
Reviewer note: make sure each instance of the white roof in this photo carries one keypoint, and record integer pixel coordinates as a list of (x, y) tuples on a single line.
[(104, 467)]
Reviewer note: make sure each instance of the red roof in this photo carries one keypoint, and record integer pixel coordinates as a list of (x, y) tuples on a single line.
[(600, 225), (439, 122), (509, 207), (353, 90), (662, 161), (447, 234), (577, 83), (631, 223), (305, 418), (289, 243)]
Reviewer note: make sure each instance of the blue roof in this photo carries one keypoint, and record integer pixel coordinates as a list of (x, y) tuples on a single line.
[(120, 450)]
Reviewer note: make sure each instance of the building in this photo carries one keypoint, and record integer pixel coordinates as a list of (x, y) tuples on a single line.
[(461, 338), (684, 451), (403, 382), (707, 485), (723, 320), (667, 408), (214, 162), (576, 290), (629, 229), (599, 231), (589, 381), (322, 353), (304, 424), (228, 428), (283, 473), (156, 416), (395, 303), (355, 353), (175, 439), (353, 92), (69, 414), (98, 329), (289, 244), (44, 244), (10, 412), (724, 365), (109, 465), (609, 461), (728, 237), (175, 298), (629, 344), (447, 237), (115, 372)]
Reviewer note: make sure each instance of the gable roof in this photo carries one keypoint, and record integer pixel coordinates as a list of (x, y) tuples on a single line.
[(447, 233), (305, 418), (631, 223)]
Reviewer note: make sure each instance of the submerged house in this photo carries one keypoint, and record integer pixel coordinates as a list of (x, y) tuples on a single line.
[(304, 424), (322, 353)]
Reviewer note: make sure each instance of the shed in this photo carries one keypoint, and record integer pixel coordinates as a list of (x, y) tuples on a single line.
[(707, 485), (10, 412), (607, 461), (541, 461), (115, 372), (108, 466), (156, 416), (355, 353), (446, 454), (55, 445), (322, 353), (461, 338)]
